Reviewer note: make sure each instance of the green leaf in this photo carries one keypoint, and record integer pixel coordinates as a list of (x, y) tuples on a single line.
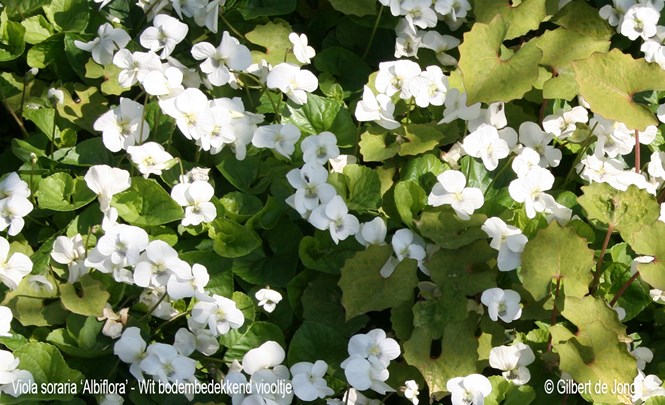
[(648, 241), (361, 274), (363, 187), (46, 364), (12, 42), (89, 152), (608, 82), (68, 15), (487, 76), (374, 149), (320, 253), (89, 299), (37, 29), (20, 8), (315, 341), (355, 7), (448, 231), (274, 37), (46, 52), (146, 203), (626, 210), (350, 69), (35, 311), (520, 19), (410, 199), (420, 138), (240, 206), (322, 303), (560, 47), (581, 17), (257, 334), (557, 253), (597, 351), (230, 239), (82, 105), (458, 357), (60, 192), (265, 8), (321, 114)]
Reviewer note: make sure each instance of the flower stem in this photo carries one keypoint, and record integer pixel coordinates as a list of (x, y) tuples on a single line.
[(374, 28), (623, 288), (599, 264), (231, 27), (637, 151), (154, 307), (555, 312)]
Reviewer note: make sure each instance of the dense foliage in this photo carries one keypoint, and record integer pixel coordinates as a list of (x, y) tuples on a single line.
[(346, 201)]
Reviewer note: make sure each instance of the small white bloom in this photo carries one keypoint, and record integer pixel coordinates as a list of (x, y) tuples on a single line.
[(530, 190), (151, 158), (14, 267), (164, 35), (311, 187), (268, 355), (292, 81), (56, 96), (335, 217), (12, 211), (114, 322), (503, 304), (130, 348), (451, 189), (531, 136), (134, 67), (411, 391), (378, 108), (123, 126), (108, 41), (70, 251), (372, 232), (440, 44), (338, 164), (319, 148), (563, 123), (643, 355), (6, 317), (268, 298), (508, 240), (301, 50), (217, 62), (11, 376), (469, 390), (485, 143), (646, 387), (308, 381), (456, 108), (396, 76), (281, 138), (220, 315), (640, 20), (374, 346), (512, 360), (195, 197)]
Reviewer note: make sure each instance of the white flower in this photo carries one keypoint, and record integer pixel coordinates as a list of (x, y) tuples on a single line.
[(394, 6), (191, 111), (335, 217), (563, 123), (56, 96), (217, 61), (354, 397), (440, 44), (469, 390), (598, 168), (10, 375), (154, 297), (163, 362), (508, 240), (134, 67), (646, 387), (151, 158), (408, 39), (157, 264), (292, 81), (338, 164), (268, 355), (11, 185), (378, 108), (108, 41), (451, 189), (363, 375), (503, 304), (456, 107), (613, 13), (643, 355), (6, 317), (70, 251), (311, 187), (308, 381), (123, 126), (486, 144), (114, 322), (530, 190), (165, 34), (406, 244), (220, 315), (301, 50), (374, 346), (525, 161), (419, 13), (640, 20), (14, 267), (120, 247), (281, 138), (319, 148), (130, 348), (268, 298), (411, 391), (188, 282), (195, 197), (12, 211), (396, 77), (535, 138), (512, 360), (429, 87), (372, 232), (166, 84)]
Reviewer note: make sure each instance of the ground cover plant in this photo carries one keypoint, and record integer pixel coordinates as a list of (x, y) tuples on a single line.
[(332, 201)]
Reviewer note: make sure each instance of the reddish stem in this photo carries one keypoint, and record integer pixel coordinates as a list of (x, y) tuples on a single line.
[(637, 151), (555, 312), (623, 288), (599, 265)]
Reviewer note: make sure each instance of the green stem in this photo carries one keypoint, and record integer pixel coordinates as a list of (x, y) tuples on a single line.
[(599, 264), (374, 28), (55, 115), (154, 307), (637, 151), (231, 27), (623, 288), (498, 174), (170, 321), (11, 112), (555, 312)]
